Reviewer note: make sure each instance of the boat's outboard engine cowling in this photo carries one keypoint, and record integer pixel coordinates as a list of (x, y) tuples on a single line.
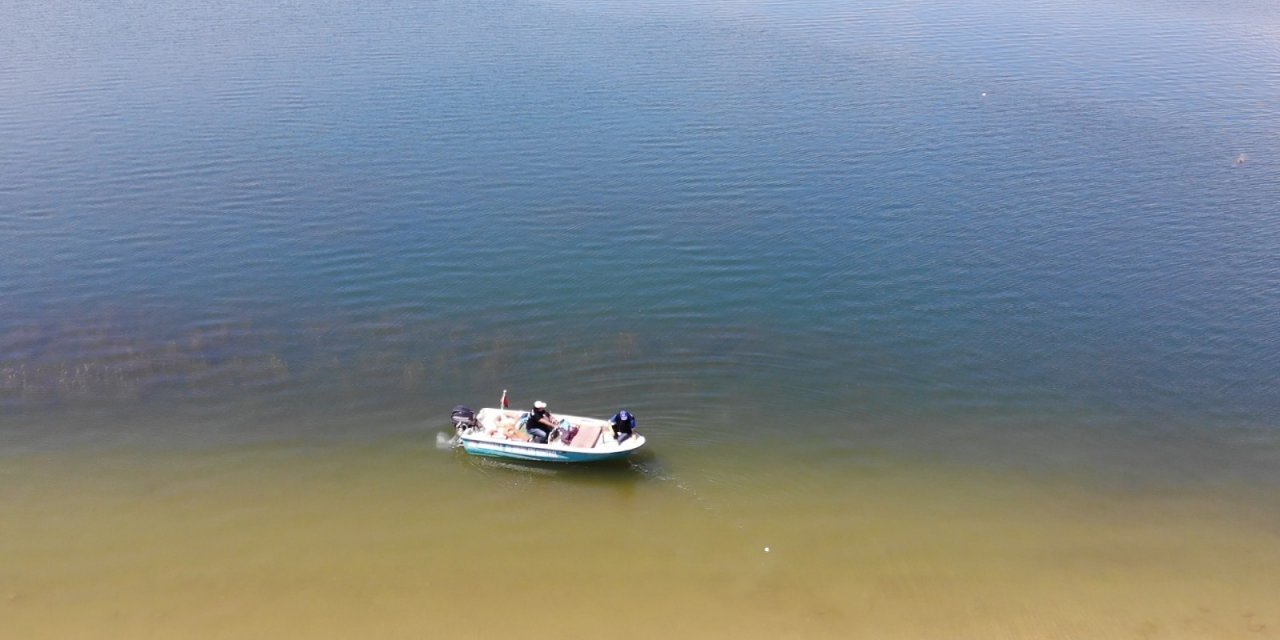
[(463, 418)]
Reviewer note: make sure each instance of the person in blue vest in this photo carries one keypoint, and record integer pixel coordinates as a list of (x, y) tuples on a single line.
[(623, 425)]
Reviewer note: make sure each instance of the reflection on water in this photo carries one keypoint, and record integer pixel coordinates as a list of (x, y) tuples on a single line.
[(641, 466)]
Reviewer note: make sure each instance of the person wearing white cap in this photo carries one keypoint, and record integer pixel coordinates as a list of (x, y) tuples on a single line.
[(540, 423)]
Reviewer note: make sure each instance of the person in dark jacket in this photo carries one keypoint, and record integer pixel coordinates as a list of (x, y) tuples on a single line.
[(540, 423), (623, 425)]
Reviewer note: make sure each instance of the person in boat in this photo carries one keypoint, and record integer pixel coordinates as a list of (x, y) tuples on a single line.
[(623, 425), (540, 423)]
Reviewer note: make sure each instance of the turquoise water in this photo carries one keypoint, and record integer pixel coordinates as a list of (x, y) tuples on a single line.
[(807, 243)]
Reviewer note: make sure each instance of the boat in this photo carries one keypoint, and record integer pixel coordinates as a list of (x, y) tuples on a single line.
[(499, 433)]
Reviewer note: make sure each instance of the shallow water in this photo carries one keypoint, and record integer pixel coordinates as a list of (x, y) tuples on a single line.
[(396, 539), (966, 311)]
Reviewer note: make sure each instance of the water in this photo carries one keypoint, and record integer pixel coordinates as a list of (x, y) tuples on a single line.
[(967, 311)]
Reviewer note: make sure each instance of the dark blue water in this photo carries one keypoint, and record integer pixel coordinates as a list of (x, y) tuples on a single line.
[(1006, 218)]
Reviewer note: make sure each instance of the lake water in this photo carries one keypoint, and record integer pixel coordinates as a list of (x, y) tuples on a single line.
[(943, 320)]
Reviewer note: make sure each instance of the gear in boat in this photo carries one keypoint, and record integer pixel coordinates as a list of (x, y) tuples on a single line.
[(538, 434)]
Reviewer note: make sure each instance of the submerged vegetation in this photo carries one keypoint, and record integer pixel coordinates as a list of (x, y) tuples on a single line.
[(110, 359)]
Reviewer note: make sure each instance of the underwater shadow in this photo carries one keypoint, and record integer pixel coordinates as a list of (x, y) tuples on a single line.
[(642, 466)]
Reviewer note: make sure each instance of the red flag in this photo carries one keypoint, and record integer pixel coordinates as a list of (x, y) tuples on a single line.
[(504, 399)]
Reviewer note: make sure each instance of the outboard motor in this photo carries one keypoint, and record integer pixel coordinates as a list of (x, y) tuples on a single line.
[(463, 418)]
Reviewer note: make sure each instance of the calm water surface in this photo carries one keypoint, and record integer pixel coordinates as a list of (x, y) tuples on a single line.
[(968, 311)]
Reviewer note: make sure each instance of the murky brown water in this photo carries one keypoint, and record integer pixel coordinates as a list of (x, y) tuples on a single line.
[(398, 539)]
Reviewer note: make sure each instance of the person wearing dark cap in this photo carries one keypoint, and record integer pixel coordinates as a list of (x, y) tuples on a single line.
[(623, 425)]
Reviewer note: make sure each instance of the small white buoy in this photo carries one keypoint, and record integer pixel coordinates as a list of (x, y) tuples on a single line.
[(766, 549), (984, 94)]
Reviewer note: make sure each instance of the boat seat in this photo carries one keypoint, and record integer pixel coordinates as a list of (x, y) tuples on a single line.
[(586, 438)]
